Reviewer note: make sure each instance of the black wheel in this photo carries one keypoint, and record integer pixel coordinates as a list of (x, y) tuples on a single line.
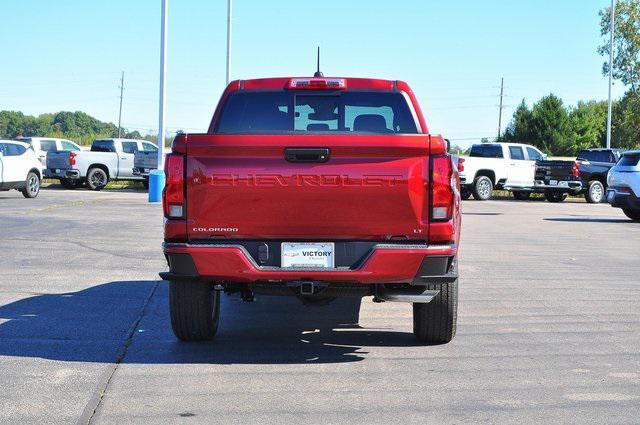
[(521, 196), (97, 179), (482, 188), (195, 310), (555, 197), (435, 322), (632, 214), (595, 192), (31, 185), (465, 194), (70, 183)]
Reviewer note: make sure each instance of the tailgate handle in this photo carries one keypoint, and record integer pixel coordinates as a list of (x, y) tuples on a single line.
[(306, 154)]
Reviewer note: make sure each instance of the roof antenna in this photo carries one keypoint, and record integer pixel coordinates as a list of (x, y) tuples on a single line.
[(318, 74)]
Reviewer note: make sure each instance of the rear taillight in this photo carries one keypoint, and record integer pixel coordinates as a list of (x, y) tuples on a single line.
[(460, 164), (575, 170), (173, 194), (442, 188), (72, 158)]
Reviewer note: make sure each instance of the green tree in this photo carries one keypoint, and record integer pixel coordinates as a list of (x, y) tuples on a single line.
[(546, 125), (551, 127), (626, 121), (626, 58), (588, 121), (76, 126), (520, 130)]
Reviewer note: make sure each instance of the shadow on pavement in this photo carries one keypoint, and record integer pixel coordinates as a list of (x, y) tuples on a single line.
[(93, 325), (589, 220)]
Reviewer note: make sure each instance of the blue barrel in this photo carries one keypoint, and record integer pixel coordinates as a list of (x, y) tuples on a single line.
[(156, 184)]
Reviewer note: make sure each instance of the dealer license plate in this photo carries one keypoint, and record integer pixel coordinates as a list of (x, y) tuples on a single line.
[(316, 255), (559, 183)]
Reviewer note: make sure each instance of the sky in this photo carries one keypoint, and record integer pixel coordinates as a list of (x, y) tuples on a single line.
[(69, 54)]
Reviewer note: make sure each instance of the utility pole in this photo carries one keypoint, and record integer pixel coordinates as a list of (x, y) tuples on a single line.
[(120, 113), (610, 109), (228, 40), (501, 107)]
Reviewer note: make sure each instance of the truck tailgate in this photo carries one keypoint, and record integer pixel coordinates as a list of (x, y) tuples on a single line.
[(554, 170), (146, 160), (373, 187), (58, 160)]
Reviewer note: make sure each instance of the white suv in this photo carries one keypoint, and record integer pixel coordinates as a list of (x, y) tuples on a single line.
[(623, 182), (20, 168)]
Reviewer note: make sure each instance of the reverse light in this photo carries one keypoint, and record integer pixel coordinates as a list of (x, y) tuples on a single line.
[(173, 194), (318, 83), (72, 158), (442, 188)]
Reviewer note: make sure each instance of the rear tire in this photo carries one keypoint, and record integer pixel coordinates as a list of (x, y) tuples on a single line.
[(32, 185), (482, 188), (195, 310), (521, 195), (97, 178), (632, 214), (435, 322), (595, 192), (555, 197)]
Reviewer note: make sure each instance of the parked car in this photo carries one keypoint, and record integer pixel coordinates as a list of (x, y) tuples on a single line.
[(108, 159), (317, 188), (20, 168), (586, 175), (42, 145), (624, 185), (508, 166)]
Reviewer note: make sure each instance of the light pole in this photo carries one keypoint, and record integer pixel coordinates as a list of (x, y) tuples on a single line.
[(229, 5), (163, 70), (610, 112)]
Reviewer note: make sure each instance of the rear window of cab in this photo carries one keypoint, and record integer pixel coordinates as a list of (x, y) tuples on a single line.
[(253, 112)]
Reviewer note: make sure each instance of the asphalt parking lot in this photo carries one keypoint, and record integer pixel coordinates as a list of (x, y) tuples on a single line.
[(548, 328)]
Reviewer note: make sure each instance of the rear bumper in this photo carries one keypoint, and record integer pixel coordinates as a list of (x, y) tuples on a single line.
[(61, 174), (571, 186), (623, 200), (413, 264), (141, 172)]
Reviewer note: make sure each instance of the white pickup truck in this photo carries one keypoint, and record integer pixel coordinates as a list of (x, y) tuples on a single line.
[(507, 166), (108, 159)]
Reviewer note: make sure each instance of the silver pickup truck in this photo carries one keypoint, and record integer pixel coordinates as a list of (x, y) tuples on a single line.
[(108, 159)]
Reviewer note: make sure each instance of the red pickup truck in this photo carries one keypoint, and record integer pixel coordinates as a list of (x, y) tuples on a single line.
[(317, 188)]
